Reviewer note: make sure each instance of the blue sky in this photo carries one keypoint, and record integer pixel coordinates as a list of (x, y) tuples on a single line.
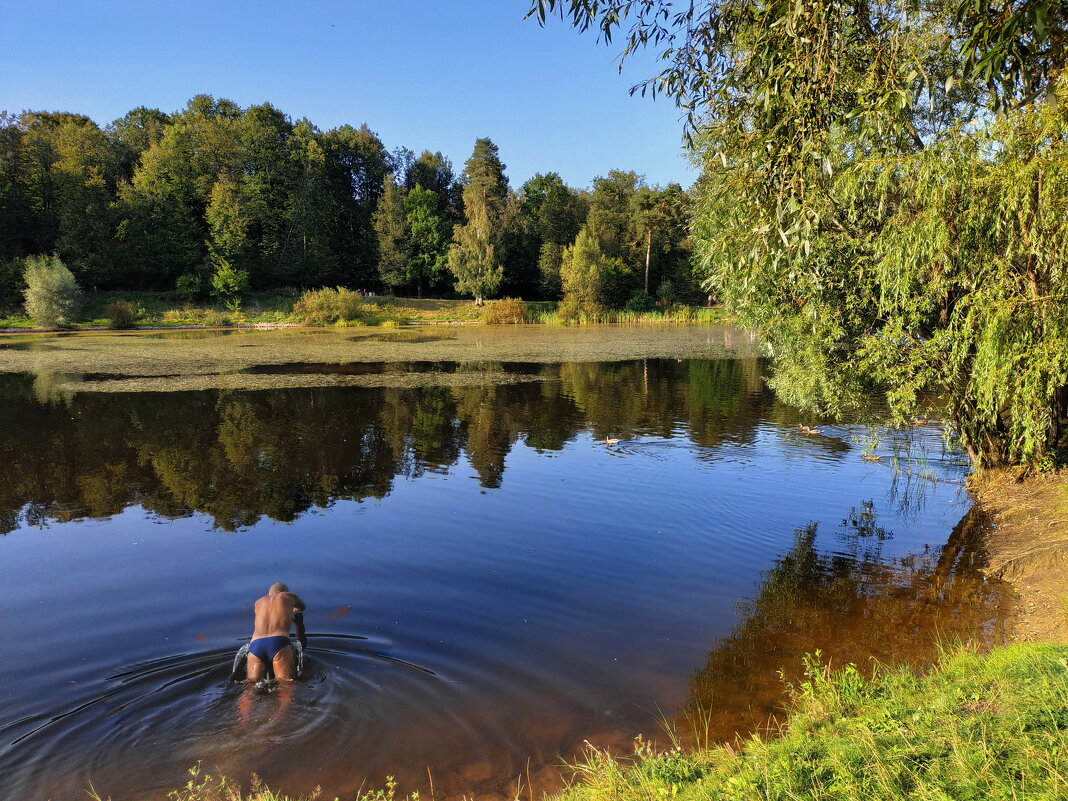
[(425, 74)]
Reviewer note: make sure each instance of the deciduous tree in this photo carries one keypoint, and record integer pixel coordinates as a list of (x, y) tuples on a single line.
[(427, 238), (473, 259)]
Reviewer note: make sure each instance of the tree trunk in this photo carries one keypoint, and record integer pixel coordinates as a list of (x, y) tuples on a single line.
[(478, 300), (648, 254)]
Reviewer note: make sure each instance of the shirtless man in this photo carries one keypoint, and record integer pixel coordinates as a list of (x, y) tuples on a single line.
[(270, 635)]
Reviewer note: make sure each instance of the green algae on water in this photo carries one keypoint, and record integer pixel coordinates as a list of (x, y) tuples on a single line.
[(171, 361)]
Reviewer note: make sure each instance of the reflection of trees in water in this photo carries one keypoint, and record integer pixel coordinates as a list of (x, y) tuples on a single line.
[(854, 605), (238, 456)]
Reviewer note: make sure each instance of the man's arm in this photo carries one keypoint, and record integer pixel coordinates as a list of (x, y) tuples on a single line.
[(298, 620)]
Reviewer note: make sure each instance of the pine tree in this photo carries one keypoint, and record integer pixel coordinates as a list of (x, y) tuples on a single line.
[(388, 222)]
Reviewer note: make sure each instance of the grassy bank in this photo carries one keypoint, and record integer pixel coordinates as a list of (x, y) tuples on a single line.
[(975, 726), (673, 315), (163, 310)]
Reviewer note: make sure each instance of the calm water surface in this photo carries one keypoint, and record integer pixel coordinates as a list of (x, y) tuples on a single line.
[(489, 582)]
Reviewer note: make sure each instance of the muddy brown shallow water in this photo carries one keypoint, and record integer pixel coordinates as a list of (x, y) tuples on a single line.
[(489, 582)]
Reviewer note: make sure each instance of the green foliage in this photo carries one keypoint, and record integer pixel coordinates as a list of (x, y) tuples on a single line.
[(666, 294), (581, 272), (862, 208), (228, 284), (154, 196), (556, 208), (189, 287), (573, 309), (227, 222), (428, 238), (390, 228), (483, 175), (711, 50), (121, 314), (12, 283), (329, 306), (660, 220), (617, 283), (506, 311), (433, 172), (611, 215), (639, 301), (473, 259), (943, 270), (550, 259), (52, 296)]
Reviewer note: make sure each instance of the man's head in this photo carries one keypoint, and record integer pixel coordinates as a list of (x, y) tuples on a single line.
[(277, 587)]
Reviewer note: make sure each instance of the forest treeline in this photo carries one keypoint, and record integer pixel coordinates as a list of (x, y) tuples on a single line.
[(156, 201)]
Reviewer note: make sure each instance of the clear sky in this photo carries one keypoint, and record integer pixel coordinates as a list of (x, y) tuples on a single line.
[(423, 74)]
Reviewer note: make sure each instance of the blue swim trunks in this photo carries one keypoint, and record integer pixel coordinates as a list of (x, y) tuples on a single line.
[(267, 648)]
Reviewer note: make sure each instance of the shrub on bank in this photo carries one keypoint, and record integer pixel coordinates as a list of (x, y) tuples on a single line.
[(640, 301), (52, 295), (121, 314), (329, 306), (506, 311), (188, 288), (228, 284), (574, 310)]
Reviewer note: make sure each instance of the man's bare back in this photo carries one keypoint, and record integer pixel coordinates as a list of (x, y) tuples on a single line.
[(270, 635)]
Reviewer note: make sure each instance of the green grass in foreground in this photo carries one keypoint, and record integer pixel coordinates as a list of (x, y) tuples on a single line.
[(974, 727)]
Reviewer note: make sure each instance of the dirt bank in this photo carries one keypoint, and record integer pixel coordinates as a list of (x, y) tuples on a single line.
[(1028, 546)]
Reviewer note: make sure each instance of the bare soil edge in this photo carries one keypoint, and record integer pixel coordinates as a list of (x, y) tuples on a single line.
[(1028, 547)]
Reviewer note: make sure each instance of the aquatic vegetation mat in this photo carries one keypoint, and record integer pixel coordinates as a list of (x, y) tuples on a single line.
[(247, 359)]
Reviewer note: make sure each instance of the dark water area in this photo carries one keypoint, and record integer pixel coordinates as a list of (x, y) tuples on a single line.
[(490, 579), (381, 368)]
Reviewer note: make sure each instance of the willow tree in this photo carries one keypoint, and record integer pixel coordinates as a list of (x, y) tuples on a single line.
[(862, 207)]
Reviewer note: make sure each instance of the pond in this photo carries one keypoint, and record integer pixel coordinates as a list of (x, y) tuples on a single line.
[(497, 569)]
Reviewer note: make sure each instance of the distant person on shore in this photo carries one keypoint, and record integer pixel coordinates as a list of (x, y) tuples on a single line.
[(276, 612)]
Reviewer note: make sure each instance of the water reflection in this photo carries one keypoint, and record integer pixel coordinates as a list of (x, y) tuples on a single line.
[(489, 582), (240, 456), (855, 604)]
